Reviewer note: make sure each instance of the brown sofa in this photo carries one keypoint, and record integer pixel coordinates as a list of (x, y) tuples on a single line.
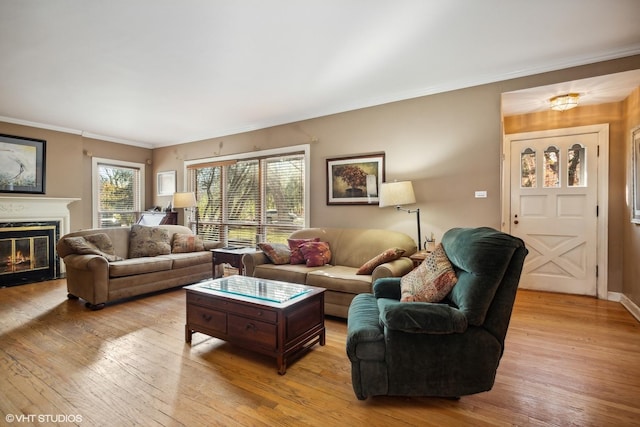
[(98, 280), (350, 249)]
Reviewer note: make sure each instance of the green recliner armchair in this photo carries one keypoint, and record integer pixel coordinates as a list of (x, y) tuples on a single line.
[(446, 349)]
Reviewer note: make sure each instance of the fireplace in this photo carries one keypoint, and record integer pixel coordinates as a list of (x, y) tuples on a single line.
[(27, 252), (29, 230)]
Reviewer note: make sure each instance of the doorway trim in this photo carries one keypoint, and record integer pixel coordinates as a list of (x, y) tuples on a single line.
[(602, 239)]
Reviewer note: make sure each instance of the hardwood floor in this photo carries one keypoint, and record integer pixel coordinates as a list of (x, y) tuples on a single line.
[(569, 360)]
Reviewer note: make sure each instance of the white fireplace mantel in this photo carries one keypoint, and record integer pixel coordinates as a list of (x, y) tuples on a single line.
[(37, 208)]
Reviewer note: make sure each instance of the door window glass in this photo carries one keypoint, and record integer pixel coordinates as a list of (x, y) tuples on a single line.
[(528, 168), (551, 167), (576, 166)]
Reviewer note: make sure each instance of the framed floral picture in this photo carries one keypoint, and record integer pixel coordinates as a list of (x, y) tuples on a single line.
[(22, 165), (355, 180)]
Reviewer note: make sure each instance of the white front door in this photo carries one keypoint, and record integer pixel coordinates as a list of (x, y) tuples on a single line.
[(553, 207)]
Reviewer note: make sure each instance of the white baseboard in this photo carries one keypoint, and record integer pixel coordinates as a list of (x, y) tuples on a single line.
[(631, 306)]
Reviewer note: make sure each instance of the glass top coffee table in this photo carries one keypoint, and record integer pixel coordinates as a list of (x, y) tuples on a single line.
[(280, 319)]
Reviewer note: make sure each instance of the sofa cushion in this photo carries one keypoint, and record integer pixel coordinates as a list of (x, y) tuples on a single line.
[(316, 254), (287, 272), (187, 259), (294, 245), (386, 256), (182, 243), (278, 253), (339, 278), (431, 281), (148, 241), (93, 244), (140, 265)]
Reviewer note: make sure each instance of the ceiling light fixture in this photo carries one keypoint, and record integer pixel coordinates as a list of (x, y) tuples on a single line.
[(564, 102)]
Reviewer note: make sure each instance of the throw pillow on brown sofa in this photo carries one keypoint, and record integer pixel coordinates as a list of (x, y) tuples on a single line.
[(278, 253), (93, 244), (186, 243), (148, 241), (294, 245), (386, 256), (316, 254)]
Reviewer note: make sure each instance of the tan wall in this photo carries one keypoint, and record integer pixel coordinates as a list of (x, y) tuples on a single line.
[(631, 232), (448, 144), (68, 168)]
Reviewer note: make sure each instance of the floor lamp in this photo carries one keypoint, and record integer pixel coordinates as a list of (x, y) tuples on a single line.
[(397, 194), (186, 200)]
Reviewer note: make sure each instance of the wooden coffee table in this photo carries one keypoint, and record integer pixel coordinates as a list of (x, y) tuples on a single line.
[(279, 319)]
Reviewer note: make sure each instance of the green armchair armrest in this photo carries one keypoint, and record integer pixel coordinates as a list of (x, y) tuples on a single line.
[(387, 287), (421, 317)]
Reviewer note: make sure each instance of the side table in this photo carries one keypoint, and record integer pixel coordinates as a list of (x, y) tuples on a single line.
[(419, 256), (231, 256)]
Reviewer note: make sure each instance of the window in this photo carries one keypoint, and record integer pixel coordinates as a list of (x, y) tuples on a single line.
[(255, 197), (528, 168), (576, 167), (551, 166), (118, 192)]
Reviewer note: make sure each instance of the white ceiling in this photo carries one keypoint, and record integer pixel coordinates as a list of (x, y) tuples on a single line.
[(161, 72)]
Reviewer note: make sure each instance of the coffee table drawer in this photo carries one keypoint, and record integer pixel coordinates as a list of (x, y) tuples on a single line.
[(261, 333), (232, 307), (207, 318)]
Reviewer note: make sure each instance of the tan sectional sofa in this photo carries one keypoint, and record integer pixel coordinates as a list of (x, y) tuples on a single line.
[(350, 249), (113, 274)]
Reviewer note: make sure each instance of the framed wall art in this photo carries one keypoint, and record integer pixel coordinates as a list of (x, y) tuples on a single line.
[(166, 183), (22, 165), (355, 180), (635, 177)]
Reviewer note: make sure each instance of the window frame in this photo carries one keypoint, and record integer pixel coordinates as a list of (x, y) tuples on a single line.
[(303, 149), (95, 187)]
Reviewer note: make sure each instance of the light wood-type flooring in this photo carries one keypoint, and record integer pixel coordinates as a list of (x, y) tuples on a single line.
[(569, 361)]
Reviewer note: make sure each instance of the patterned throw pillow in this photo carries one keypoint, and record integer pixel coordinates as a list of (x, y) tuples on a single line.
[(431, 281), (186, 243), (386, 256), (316, 254), (94, 244), (296, 256), (148, 241), (278, 253)]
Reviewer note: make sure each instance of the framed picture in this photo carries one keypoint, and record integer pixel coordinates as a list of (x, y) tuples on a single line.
[(166, 183), (635, 177), (355, 180), (22, 164)]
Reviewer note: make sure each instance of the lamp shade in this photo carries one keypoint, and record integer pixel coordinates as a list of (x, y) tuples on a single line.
[(396, 194), (184, 200)]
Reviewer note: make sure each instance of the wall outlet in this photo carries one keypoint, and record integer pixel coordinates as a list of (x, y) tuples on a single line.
[(481, 194)]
